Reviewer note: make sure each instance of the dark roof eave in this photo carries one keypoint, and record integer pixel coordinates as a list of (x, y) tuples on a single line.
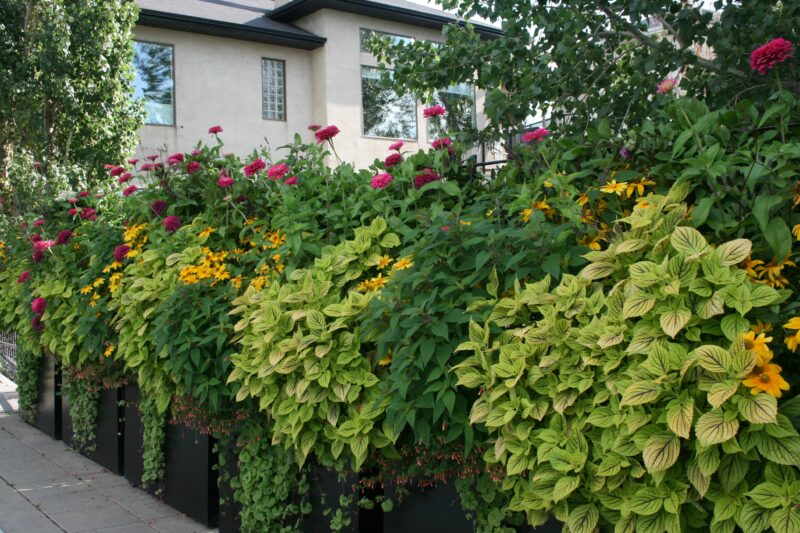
[(172, 21), (300, 8)]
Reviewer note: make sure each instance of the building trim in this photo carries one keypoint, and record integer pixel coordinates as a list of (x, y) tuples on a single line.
[(300, 8), (159, 19)]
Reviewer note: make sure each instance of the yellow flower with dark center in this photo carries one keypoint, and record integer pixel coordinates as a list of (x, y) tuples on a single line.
[(465, 222), (98, 282), (384, 261), (587, 217), (373, 284), (206, 232), (793, 339), (403, 263), (526, 214), (592, 242), (774, 273), (583, 199), (236, 282), (761, 327), (113, 282), (387, 360), (758, 344), (113, 266), (612, 187), (638, 186), (132, 253), (109, 350), (750, 265), (766, 379), (796, 231), (86, 290), (94, 300), (796, 194)]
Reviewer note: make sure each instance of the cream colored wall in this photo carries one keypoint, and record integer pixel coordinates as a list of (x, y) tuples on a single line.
[(218, 81)]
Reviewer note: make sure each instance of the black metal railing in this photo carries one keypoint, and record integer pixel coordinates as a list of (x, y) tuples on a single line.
[(8, 354)]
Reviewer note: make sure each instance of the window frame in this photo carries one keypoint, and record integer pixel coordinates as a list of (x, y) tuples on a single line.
[(172, 74), (362, 30), (364, 135), (285, 94)]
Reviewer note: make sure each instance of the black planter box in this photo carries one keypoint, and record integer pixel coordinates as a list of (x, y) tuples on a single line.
[(190, 480), (229, 509), (109, 443), (426, 510), (48, 406), (132, 436), (551, 526), (324, 492)]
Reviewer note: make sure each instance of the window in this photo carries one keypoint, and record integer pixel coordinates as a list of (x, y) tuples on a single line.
[(386, 114), (459, 100), (153, 82), (395, 39), (273, 89)]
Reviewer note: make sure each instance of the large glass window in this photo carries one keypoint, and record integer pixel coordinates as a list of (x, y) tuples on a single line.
[(386, 113), (396, 39), (459, 100), (153, 82), (273, 89)]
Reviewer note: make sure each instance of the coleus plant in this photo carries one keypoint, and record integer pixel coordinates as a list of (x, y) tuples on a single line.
[(302, 354), (617, 396)]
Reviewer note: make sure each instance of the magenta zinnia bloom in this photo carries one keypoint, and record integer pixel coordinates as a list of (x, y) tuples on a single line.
[(130, 190), (213, 130), (116, 171), (174, 159), (36, 323), (380, 181), (225, 181), (193, 167), (278, 171), (121, 252), (392, 160), (425, 176), (87, 213), (158, 207), (314, 127), (83, 194), (255, 166), (64, 236), (536, 135), (38, 223), (764, 58), (124, 178), (396, 145), (326, 134), (72, 200), (171, 223), (73, 211), (35, 238), (444, 142), (434, 111), (152, 157), (25, 276), (666, 86), (133, 161), (292, 180), (39, 305)]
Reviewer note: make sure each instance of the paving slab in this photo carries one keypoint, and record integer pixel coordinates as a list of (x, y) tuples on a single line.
[(46, 487)]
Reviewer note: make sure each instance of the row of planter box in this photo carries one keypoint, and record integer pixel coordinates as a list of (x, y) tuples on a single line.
[(190, 479)]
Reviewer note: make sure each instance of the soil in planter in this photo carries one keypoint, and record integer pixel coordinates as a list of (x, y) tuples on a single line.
[(190, 481), (48, 406), (109, 443)]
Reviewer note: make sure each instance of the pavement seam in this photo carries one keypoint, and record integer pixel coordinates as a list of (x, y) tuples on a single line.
[(38, 509)]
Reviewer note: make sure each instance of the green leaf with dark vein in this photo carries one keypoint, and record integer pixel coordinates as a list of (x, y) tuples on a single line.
[(713, 428)]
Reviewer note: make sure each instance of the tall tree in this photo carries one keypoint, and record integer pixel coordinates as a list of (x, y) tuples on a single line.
[(579, 60)]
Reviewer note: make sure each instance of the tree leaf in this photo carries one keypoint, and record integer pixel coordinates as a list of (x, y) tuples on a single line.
[(712, 428), (661, 451)]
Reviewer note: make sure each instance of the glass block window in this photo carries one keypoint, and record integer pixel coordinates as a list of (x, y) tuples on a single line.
[(396, 39), (386, 113), (273, 89), (153, 82), (459, 100)]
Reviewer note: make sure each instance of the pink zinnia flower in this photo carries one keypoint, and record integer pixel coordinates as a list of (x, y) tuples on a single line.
[(158, 207), (446, 228), (124, 178), (36, 323), (83, 194), (434, 111), (38, 223), (444, 142), (666, 86), (38, 305), (64, 236), (536, 135), (380, 181), (121, 252), (225, 181), (278, 171), (88, 213), (72, 200), (25, 276), (396, 145), (116, 171), (130, 190), (73, 211), (133, 161), (35, 238), (392, 160), (37, 256), (108, 166), (174, 159), (326, 134), (291, 180), (196, 152), (42, 246), (425, 176), (213, 130), (764, 58), (314, 127), (147, 167), (171, 223), (152, 157), (255, 166), (193, 167)]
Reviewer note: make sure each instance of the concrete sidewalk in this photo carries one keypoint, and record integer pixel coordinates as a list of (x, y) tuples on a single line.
[(47, 487)]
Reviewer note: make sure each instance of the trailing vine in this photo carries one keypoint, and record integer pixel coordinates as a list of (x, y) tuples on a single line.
[(154, 434), (270, 486), (487, 506), (84, 399), (28, 382)]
